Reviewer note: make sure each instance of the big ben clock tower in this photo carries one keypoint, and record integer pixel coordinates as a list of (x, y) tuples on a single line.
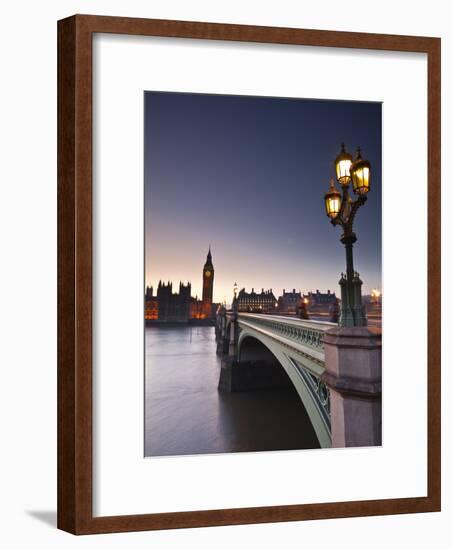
[(207, 286)]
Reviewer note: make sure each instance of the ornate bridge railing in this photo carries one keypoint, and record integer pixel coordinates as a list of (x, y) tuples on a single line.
[(318, 391), (303, 336)]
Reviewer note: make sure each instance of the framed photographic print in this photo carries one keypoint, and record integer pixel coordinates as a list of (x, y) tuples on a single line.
[(249, 274)]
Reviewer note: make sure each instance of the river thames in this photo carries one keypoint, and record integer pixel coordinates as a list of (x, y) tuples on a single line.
[(186, 414)]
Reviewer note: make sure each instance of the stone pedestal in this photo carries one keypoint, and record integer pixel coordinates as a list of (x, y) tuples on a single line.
[(352, 313), (234, 335), (223, 346), (353, 375)]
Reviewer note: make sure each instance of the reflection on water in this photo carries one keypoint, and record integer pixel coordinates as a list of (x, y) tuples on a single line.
[(186, 414)]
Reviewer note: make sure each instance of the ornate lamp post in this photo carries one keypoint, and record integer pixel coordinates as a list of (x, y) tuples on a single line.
[(342, 209), (235, 300)]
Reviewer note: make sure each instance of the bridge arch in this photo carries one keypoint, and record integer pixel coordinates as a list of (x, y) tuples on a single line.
[(252, 349), (253, 342)]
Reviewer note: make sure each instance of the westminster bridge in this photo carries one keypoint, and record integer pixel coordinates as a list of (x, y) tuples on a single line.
[(335, 370)]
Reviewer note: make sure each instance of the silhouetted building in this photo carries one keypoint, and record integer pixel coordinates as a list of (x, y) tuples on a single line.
[(207, 287), (173, 307), (289, 302), (373, 303), (335, 311), (195, 309), (257, 302), (181, 306), (320, 303), (151, 305)]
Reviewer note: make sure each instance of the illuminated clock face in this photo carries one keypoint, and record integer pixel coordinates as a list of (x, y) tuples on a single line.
[(207, 273)]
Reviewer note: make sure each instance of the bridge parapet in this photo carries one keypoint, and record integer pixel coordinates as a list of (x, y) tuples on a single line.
[(307, 333)]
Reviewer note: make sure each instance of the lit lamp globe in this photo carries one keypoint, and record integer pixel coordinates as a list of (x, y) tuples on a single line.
[(360, 174), (343, 163), (332, 201)]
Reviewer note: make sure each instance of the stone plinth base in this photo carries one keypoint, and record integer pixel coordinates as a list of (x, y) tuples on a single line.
[(222, 346), (353, 374)]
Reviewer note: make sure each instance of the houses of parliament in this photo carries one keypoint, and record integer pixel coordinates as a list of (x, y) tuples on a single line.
[(169, 306)]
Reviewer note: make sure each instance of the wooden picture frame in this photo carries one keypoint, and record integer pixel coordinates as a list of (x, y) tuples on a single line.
[(75, 222)]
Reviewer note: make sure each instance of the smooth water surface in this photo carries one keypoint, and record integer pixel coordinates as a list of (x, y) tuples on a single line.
[(186, 414)]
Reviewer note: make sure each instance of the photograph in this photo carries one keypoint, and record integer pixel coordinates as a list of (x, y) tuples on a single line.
[(263, 273)]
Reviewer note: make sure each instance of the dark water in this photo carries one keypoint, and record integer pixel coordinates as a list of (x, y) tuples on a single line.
[(186, 414)]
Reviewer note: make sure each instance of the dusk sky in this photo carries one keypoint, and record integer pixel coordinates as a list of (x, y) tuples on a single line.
[(248, 176)]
